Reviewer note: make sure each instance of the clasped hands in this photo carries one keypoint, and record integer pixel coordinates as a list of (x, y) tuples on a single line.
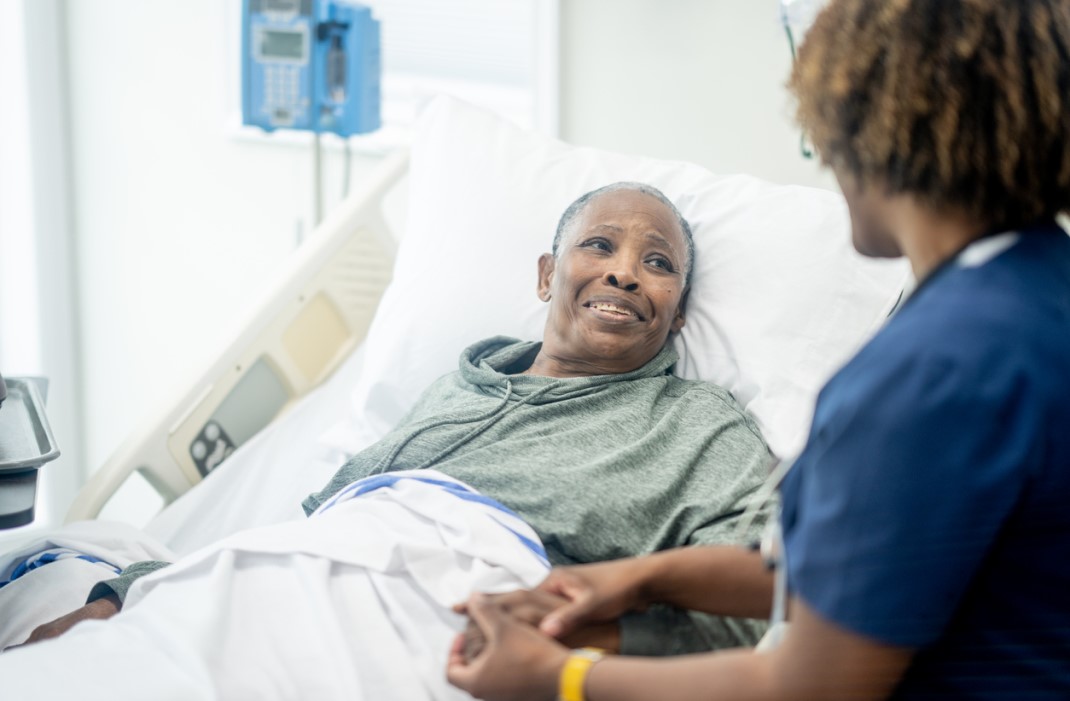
[(516, 643)]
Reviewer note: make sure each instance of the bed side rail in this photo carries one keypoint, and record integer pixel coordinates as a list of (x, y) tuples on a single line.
[(318, 313)]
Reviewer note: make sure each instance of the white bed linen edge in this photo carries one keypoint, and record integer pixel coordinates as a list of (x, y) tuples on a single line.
[(56, 589), (352, 603)]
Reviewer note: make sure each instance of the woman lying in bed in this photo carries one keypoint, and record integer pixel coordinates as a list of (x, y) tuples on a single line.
[(587, 436)]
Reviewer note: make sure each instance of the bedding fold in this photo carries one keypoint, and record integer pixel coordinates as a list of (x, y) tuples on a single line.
[(353, 603)]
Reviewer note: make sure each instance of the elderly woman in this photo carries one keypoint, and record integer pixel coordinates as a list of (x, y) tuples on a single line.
[(926, 529), (587, 436)]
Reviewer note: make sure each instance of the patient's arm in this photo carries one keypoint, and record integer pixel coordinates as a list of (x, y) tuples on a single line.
[(104, 607), (717, 579), (104, 601)]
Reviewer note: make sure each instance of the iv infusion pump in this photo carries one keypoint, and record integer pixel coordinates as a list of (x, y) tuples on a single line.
[(312, 65)]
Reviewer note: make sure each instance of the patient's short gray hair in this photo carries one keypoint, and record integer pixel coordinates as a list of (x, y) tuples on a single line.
[(576, 208)]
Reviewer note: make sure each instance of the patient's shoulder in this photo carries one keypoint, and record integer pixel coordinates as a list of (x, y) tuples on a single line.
[(699, 390), (711, 403)]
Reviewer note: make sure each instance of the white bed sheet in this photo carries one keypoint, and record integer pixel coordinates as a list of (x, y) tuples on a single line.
[(352, 603), (53, 590)]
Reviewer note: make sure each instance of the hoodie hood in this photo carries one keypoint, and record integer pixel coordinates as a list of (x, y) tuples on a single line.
[(481, 365)]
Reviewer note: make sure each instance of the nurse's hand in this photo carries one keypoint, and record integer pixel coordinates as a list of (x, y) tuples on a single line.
[(516, 663), (100, 609), (596, 593), (532, 607)]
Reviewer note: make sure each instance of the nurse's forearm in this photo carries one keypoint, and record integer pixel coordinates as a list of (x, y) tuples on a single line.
[(816, 661), (737, 675), (722, 580)]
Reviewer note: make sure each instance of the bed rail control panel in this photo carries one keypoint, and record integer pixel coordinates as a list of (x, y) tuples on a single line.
[(307, 325), (310, 334), (212, 446), (256, 399), (312, 65)]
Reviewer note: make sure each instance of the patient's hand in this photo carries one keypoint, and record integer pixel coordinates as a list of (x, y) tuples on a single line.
[(517, 663), (100, 609), (531, 607)]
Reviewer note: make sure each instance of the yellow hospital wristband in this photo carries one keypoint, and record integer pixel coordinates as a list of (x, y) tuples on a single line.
[(574, 673)]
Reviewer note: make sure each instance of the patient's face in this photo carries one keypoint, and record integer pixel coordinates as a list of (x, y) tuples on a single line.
[(616, 289)]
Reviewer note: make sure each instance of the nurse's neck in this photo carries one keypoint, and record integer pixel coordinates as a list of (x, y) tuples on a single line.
[(929, 238)]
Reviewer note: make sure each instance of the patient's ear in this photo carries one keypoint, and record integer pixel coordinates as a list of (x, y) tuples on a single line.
[(681, 311), (546, 275)]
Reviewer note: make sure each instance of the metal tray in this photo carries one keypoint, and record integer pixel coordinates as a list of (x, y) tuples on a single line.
[(25, 437), (26, 443)]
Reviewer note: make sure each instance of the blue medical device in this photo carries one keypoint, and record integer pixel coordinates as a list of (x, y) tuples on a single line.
[(310, 64)]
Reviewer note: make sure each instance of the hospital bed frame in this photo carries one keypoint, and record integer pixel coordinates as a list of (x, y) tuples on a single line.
[(308, 324)]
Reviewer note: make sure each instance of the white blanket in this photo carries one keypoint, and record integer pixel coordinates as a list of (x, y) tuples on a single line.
[(78, 555), (352, 603)]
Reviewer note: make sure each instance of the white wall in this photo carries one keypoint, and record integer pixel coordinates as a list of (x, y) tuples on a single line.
[(695, 80), (178, 224), (19, 317), (38, 326)]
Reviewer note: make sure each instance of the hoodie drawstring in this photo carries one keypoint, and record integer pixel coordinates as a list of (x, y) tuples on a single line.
[(487, 419), (471, 435)]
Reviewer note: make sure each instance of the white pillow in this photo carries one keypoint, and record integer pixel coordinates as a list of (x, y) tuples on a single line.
[(779, 298)]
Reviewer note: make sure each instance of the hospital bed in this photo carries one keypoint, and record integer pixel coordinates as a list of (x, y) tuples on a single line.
[(779, 299), (371, 312)]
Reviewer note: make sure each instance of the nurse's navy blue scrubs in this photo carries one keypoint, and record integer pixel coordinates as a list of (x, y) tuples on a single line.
[(931, 506)]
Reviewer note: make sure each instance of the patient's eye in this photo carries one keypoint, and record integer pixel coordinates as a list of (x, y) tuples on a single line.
[(661, 262), (599, 244)]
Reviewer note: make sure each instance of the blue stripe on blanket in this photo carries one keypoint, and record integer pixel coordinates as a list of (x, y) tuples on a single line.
[(51, 555), (532, 545), (457, 489)]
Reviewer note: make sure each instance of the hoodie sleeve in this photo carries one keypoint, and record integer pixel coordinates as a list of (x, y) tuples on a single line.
[(120, 585), (665, 630)]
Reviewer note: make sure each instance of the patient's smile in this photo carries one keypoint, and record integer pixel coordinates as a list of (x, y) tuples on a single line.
[(614, 311)]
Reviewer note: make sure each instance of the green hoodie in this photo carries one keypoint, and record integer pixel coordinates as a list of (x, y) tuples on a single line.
[(602, 467)]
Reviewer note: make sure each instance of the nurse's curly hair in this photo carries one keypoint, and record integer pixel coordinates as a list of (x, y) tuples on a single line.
[(963, 104)]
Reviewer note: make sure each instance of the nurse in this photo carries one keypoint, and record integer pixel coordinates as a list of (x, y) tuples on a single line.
[(927, 521)]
